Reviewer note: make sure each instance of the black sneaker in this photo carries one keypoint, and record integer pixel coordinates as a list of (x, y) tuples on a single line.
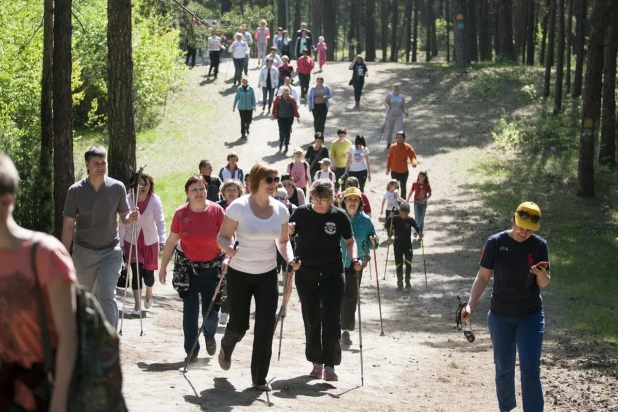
[(211, 346), (345, 338), (399, 286), (408, 286)]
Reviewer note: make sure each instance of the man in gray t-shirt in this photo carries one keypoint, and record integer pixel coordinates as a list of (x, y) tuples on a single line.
[(91, 224)]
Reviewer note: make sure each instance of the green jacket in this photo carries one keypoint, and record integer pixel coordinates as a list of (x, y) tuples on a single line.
[(363, 229), (245, 99)]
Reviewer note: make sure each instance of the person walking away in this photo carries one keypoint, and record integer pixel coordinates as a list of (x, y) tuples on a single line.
[(320, 281), (192, 237), (397, 161), (21, 348), (245, 100), (297, 35), (269, 78), (318, 104), (260, 225), (358, 162), (339, 154), (284, 45), (321, 48), (325, 172), (295, 196), (359, 73), (300, 171), (287, 82), (247, 38), (402, 224), (285, 70), (214, 53), (239, 49), (422, 192), (392, 200), (231, 170), (149, 242), (284, 111), (213, 183), (364, 235), (304, 65), (516, 320), (274, 57), (90, 223), (316, 152), (262, 36), (395, 103)]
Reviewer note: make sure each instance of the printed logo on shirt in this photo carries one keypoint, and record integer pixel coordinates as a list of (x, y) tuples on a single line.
[(504, 248), (330, 228)]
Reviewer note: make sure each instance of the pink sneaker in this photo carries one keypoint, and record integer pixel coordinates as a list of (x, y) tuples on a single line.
[(318, 371), (330, 375)]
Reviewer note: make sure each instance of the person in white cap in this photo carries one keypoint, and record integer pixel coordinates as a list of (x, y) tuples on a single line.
[(519, 261)]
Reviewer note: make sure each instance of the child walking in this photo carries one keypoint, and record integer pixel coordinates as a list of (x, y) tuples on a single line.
[(402, 226), (392, 200), (422, 192), (325, 172), (321, 48)]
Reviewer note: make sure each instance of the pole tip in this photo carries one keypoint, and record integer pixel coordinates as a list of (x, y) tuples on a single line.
[(183, 370), (382, 333)]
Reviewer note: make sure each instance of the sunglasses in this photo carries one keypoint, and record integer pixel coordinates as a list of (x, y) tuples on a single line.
[(270, 180), (287, 185), (524, 214)]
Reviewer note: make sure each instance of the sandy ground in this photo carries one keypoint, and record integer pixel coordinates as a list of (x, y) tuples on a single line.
[(422, 363)]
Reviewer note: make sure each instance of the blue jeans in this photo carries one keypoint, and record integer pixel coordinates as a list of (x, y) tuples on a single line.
[(419, 214), (267, 91), (525, 335), (203, 284)]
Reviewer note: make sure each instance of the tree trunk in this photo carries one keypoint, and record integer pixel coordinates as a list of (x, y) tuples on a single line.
[(505, 31), (352, 34), (121, 121), (484, 42), (461, 49), (549, 61), (297, 18), (384, 17), (360, 27), (282, 14), (530, 26), (607, 151), (394, 46), (544, 39), (407, 29), (64, 173), (473, 51), (592, 93), (580, 28), (434, 35), (330, 26), (569, 45), (559, 59), (45, 208), (517, 21), (447, 15), (370, 31), (415, 32), (430, 18)]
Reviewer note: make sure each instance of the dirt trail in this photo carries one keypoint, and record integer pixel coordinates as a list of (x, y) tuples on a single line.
[(423, 363)]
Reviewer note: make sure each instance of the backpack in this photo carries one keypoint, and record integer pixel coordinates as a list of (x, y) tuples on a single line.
[(291, 165), (96, 384)]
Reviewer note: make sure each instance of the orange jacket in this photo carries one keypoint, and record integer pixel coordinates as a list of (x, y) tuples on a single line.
[(398, 156)]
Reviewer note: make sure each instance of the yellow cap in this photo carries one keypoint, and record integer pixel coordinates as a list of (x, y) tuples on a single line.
[(533, 210), (352, 191)]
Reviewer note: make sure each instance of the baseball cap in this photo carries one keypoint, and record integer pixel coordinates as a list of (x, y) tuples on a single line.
[(325, 161), (528, 216), (352, 191)]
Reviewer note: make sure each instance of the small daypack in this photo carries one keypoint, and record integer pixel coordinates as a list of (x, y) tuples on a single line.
[(96, 385)]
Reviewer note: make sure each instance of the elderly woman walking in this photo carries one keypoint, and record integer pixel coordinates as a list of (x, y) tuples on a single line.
[(318, 104)]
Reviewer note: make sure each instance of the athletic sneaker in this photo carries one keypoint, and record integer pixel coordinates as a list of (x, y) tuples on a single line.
[(135, 312), (345, 338), (318, 371), (148, 303), (399, 286), (330, 375), (264, 387), (225, 365), (223, 318), (211, 346)]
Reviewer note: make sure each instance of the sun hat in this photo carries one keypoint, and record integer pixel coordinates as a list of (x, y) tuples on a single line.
[(525, 213), (298, 150)]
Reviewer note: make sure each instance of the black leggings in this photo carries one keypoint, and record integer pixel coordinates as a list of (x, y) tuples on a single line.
[(145, 274), (214, 61), (402, 178), (361, 175), (403, 254)]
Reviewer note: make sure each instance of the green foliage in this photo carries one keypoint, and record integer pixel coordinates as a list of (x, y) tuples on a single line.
[(491, 81)]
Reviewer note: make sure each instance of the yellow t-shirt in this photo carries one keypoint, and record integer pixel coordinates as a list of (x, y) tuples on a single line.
[(339, 151)]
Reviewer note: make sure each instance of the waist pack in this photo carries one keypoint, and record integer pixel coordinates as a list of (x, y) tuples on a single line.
[(96, 384), (183, 268)]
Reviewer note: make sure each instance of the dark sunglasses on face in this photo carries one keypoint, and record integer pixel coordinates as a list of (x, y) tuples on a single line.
[(287, 185), (524, 214), (270, 180)]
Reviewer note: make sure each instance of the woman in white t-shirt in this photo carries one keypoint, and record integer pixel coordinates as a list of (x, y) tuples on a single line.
[(259, 223), (358, 162)]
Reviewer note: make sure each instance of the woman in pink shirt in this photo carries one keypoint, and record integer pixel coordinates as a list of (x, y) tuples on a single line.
[(300, 171)]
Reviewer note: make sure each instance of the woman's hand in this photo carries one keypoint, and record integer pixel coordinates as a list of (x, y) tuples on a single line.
[(358, 265), (369, 177), (291, 229), (466, 313), (374, 240), (295, 264), (162, 275), (224, 265), (231, 251), (161, 247)]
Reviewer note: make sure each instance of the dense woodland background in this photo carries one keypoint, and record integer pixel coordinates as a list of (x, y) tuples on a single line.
[(73, 68)]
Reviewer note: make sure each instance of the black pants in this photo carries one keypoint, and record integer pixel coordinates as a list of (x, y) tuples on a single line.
[(146, 275), (215, 59), (238, 66), (403, 250), (320, 297), (319, 117), (402, 178), (191, 54), (339, 171), (304, 84), (362, 178), (350, 299), (264, 288), (246, 116), (285, 130), (358, 90)]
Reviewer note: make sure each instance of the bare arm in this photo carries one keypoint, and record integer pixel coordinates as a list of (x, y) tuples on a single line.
[(226, 234), (348, 163), (350, 245), (68, 227), (368, 167), (479, 285), (309, 181), (542, 275), (283, 244), (62, 302)]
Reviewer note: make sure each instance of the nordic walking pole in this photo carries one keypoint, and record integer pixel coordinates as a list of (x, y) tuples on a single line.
[(375, 261), (424, 265), (384, 125), (132, 183), (360, 327), (134, 239), (199, 332), (388, 245), (284, 306)]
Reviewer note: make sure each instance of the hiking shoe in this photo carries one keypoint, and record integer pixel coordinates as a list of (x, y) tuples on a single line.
[(330, 375), (318, 371), (148, 303), (264, 387), (193, 358), (135, 312), (345, 338), (408, 286), (223, 319), (225, 364), (399, 286), (211, 346)]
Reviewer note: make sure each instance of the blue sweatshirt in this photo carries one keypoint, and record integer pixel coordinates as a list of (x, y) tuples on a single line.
[(362, 227), (245, 99)]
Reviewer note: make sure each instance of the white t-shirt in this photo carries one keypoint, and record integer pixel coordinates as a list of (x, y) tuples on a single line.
[(319, 175), (358, 158), (391, 200), (256, 237)]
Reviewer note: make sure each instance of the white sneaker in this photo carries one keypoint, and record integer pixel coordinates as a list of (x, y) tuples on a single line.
[(135, 312), (223, 319), (148, 303)]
